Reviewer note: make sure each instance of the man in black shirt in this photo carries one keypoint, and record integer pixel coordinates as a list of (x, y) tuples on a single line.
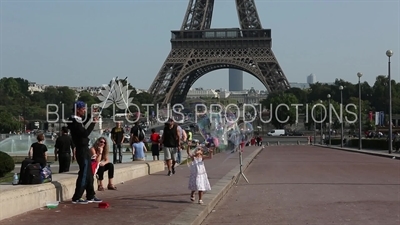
[(80, 137), (171, 142), (117, 136), (137, 131), (62, 151)]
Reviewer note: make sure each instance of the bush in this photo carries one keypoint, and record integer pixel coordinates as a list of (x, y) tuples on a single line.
[(376, 144), (333, 141), (6, 164)]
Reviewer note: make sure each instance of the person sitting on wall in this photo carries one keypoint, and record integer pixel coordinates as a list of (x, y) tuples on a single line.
[(100, 151)]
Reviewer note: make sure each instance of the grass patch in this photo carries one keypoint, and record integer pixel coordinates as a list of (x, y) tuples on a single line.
[(8, 178)]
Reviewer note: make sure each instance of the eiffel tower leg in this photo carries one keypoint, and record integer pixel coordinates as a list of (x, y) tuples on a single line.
[(247, 13), (166, 78), (272, 73), (198, 15)]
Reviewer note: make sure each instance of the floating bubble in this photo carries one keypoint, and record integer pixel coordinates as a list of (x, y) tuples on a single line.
[(246, 131), (220, 130)]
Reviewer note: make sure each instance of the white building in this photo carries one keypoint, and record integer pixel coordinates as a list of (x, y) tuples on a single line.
[(311, 79), (91, 90), (299, 85), (200, 92), (34, 87), (246, 96)]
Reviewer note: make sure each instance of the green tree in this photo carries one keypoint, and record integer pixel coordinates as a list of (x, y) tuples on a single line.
[(51, 95), (23, 86), (8, 122), (281, 116), (66, 95), (301, 95), (88, 98), (10, 86)]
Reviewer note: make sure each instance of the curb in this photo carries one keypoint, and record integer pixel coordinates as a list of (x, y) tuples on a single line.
[(197, 213), (380, 154)]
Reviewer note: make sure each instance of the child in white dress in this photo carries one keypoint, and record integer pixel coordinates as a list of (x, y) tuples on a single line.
[(198, 179)]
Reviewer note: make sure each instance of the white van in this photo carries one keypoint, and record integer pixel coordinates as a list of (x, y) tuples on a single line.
[(279, 132)]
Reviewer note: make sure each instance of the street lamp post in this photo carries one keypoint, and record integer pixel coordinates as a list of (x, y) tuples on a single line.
[(329, 118), (359, 75), (23, 116), (315, 128), (320, 130), (342, 120), (389, 54), (59, 119), (60, 112)]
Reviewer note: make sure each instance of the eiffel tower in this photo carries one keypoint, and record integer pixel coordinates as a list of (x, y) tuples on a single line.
[(197, 50)]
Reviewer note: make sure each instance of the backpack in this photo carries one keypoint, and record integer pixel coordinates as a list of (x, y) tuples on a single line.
[(31, 174), (140, 134)]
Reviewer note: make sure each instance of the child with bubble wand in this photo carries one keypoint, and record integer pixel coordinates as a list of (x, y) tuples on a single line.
[(198, 179)]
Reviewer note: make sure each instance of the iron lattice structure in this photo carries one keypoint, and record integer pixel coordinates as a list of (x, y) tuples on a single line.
[(197, 50)]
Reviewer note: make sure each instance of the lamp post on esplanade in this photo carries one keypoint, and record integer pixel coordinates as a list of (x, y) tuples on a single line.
[(389, 53), (359, 75), (341, 110), (329, 119)]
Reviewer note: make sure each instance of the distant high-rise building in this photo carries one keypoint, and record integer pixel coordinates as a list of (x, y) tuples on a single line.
[(311, 79), (235, 80)]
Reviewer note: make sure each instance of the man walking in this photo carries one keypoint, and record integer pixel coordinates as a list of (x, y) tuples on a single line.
[(62, 151), (171, 142), (137, 131), (80, 137), (117, 137)]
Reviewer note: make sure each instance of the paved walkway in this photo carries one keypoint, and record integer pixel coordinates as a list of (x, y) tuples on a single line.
[(153, 199), (313, 185), (382, 153)]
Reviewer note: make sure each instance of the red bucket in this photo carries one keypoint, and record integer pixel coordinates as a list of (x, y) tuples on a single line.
[(104, 205)]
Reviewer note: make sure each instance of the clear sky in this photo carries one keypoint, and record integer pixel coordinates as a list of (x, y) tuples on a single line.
[(86, 43)]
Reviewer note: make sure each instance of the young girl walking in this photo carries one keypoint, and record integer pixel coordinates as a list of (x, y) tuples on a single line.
[(198, 179)]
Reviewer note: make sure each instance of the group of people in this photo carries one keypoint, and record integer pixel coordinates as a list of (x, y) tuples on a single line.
[(256, 141), (76, 147)]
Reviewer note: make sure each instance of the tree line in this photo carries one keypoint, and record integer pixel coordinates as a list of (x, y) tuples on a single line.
[(20, 107), (373, 98)]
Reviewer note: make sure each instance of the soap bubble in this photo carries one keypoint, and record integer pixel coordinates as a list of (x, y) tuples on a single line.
[(246, 131), (221, 130)]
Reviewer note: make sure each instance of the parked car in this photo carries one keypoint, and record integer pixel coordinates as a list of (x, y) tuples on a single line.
[(295, 133), (277, 132)]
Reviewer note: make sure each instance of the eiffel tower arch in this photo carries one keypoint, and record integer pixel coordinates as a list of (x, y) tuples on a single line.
[(197, 50)]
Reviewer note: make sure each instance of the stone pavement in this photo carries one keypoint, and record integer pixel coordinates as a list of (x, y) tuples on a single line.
[(382, 153), (153, 199), (313, 185)]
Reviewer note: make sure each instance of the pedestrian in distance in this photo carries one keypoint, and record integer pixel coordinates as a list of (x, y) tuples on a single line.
[(117, 137), (62, 151)]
